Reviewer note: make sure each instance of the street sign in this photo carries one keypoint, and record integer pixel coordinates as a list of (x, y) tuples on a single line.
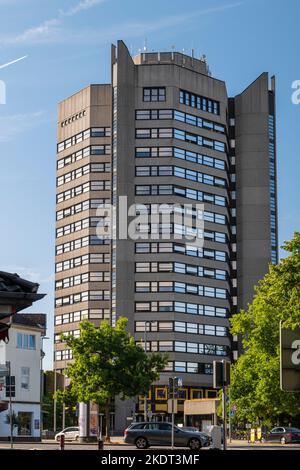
[(172, 408), (289, 359)]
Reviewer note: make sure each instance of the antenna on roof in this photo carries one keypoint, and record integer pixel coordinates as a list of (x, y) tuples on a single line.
[(172, 53), (193, 53)]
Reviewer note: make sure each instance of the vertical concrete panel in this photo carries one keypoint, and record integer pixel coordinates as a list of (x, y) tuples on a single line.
[(252, 188)]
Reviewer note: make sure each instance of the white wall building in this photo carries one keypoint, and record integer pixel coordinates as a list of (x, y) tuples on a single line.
[(23, 351)]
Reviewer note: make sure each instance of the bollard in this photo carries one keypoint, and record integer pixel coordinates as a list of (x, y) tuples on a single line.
[(62, 442), (100, 444)]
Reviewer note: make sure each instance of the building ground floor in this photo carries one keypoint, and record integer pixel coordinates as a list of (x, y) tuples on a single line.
[(26, 422), (125, 412)]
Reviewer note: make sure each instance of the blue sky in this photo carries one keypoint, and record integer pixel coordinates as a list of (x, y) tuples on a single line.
[(68, 47)]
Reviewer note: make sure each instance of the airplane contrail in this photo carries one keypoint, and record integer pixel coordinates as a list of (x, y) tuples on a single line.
[(13, 62)]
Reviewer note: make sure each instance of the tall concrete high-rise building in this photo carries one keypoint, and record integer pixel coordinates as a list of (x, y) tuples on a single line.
[(164, 131)]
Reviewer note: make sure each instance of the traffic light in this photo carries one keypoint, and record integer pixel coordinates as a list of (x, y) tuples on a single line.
[(10, 386), (221, 374), (173, 387)]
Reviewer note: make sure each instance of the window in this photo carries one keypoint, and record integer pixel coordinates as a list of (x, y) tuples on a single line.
[(25, 378), (75, 139), (199, 102), (165, 427), (161, 393), (26, 341), (154, 94)]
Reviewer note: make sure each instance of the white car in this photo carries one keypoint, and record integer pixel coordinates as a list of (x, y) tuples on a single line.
[(71, 434)]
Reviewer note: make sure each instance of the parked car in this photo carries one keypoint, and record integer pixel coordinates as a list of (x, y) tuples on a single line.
[(189, 428), (144, 435), (71, 434), (283, 435)]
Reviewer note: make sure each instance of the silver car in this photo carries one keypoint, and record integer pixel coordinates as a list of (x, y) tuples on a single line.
[(144, 435)]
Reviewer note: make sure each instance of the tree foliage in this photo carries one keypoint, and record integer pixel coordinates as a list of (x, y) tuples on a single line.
[(108, 363), (256, 375)]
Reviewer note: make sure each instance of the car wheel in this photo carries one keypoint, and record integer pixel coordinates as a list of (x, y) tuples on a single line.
[(77, 438), (283, 440), (194, 444), (141, 443)]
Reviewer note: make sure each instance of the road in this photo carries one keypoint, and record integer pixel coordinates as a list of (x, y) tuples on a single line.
[(51, 445)]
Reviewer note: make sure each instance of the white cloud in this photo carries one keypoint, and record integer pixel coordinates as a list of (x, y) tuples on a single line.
[(16, 124), (81, 6), (49, 30), (52, 30), (138, 29)]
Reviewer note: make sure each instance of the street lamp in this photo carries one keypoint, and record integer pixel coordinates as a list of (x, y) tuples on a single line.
[(43, 337), (147, 324)]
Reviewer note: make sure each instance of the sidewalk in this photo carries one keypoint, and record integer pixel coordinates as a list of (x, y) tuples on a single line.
[(114, 440)]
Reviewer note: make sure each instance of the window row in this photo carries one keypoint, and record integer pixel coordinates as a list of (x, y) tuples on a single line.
[(184, 249), (182, 230), (182, 211), (77, 226), (91, 314), (64, 355), (169, 189), (187, 347), (83, 170), (87, 134), (91, 258), (181, 327), (83, 153), (83, 206), (189, 367), (80, 243), (181, 307), (154, 94), (92, 276), (170, 133), (82, 297), (73, 118), (180, 172), (98, 185), (182, 268), (160, 152), (154, 114), (271, 127), (71, 333), (199, 102), (180, 288)]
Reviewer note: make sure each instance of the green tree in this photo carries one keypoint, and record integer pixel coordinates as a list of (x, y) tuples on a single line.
[(48, 404), (108, 363), (255, 385)]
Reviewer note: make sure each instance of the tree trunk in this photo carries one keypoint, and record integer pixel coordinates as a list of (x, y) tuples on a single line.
[(107, 421)]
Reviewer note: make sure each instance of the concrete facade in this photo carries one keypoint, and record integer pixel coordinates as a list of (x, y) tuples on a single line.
[(192, 144)]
